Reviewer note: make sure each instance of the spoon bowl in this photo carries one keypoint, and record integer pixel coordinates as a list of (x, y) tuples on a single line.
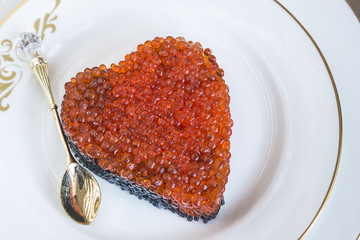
[(80, 194)]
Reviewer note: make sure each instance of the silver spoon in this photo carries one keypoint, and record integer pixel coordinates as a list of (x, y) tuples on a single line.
[(80, 192)]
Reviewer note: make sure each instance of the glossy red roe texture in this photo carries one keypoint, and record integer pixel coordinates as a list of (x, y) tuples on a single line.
[(160, 118)]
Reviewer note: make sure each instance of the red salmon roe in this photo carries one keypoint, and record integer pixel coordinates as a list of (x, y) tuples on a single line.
[(160, 119)]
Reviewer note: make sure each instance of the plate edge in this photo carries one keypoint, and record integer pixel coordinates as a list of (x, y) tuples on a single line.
[(358, 18), (332, 183), (12, 12)]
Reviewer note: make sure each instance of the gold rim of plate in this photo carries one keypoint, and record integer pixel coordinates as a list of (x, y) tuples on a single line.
[(339, 116), (358, 18), (336, 96)]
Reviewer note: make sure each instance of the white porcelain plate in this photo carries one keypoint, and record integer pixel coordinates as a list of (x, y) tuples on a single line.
[(286, 134)]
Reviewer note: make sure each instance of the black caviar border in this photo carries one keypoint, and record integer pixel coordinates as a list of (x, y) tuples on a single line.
[(132, 188)]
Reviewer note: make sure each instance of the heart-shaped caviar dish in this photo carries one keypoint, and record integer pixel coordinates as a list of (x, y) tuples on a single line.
[(157, 124)]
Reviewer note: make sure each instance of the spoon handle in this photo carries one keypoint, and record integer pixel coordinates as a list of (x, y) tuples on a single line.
[(39, 67), (32, 45)]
